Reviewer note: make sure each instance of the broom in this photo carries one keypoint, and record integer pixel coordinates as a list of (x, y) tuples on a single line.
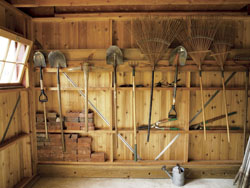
[(153, 36), (222, 43), (197, 37)]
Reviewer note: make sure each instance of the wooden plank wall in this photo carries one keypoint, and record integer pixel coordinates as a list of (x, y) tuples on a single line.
[(16, 152), (100, 34)]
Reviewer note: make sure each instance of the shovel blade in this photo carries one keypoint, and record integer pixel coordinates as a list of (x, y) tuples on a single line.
[(57, 59), (39, 59), (182, 55), (114, 56)]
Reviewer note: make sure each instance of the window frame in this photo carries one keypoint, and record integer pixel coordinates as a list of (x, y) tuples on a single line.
[(20, 41)]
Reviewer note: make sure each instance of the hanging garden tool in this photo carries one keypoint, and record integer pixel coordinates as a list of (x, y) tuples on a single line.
[(199, 126), (197, 37), (114, 57), (58, 60), (133, 65), (156, 125), (153, 36), (222, 44), (245, 57), (178, 55), (85, 68), (39, 61)]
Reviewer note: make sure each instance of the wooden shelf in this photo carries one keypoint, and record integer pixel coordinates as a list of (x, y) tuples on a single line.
[(139, 88), (141, 131), (76, 131), (147, 162), (13, 140)]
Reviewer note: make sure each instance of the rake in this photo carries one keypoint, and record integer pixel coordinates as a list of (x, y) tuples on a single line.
[(153, 36), (197, 37), (223, 41)]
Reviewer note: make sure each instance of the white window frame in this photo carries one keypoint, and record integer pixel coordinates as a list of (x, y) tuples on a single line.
[(20, 40)]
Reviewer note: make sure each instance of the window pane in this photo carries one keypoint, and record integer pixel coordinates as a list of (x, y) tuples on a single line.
[(21, 55), (12, 51), (3, 47), (17, 73), (7, 70)]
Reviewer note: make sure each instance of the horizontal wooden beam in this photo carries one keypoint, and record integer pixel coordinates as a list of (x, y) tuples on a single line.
[(127, 16), (42, 3), (136, 170), (25, 181), (13, 9), (154, 131), (97, 60), (12, 141), (139, 88)]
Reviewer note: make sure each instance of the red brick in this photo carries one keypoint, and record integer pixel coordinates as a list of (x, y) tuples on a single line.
[(51, 114), (84, 145), (90, 120), (73, 125), (83, 158), (72, 114), (69, 157), (90, 115), (51, 119), (71, 119), (84, 140), (98, 157), (84, 151)]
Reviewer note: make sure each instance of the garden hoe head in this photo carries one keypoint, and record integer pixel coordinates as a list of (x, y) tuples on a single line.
[(57, 59), (114, 56), (39, 59), (182, 52)]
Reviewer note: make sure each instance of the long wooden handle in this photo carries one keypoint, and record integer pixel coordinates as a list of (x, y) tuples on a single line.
[(246, 107), (225, 106), (44, 106), (60, 108), (203, 108), (134, 115), (115, 104), (86, 77), (45, 121)]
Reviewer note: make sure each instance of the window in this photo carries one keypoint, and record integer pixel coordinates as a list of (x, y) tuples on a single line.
[(14, 53)]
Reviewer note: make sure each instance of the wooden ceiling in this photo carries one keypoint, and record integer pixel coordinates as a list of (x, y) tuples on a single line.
[(49, 8)]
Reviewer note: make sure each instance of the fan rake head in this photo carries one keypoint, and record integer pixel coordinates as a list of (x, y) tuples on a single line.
[(197, 36), (223, 41), (154, 35)]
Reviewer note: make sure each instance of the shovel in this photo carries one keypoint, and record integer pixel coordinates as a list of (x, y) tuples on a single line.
[(39, 61), (179, 54), (114, 57), (133, 65), (57, 59)]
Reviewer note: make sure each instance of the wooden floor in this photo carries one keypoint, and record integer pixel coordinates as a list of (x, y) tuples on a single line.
[(45, 182)]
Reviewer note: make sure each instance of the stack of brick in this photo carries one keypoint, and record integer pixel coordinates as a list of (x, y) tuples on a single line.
[(50, 150), (51, 121), (77, 149), (71, 147), (84, 149), (76, 121)]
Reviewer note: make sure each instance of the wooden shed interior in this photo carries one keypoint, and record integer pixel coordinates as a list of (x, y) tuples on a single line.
[(83, 31)]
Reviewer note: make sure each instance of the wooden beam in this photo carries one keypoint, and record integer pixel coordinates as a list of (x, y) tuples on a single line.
[(98, 61), (130, 15), (42, 3), (12, 141), (25, 181), (135, 170), (13, 9)]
